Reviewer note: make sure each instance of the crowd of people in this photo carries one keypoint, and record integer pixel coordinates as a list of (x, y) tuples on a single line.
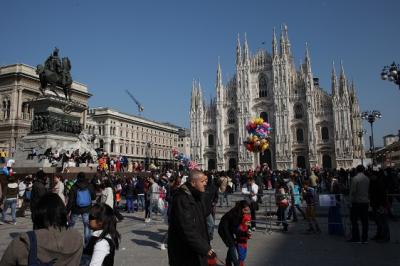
[(187, 201)]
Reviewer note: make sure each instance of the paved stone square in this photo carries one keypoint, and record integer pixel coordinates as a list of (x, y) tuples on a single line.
[(141, 242)]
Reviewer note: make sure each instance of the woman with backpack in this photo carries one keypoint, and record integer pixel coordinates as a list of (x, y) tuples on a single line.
[(51, 242)]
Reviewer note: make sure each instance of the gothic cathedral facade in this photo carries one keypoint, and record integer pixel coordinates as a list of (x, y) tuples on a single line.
[(311, 128)]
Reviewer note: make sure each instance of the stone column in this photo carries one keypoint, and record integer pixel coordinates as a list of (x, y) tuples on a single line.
[(19, 104)]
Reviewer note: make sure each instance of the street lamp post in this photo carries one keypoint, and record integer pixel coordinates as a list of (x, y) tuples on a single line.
[(360, 134), (391, 73), (371, 117)]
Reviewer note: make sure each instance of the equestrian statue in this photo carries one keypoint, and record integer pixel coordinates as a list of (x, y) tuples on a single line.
[(55, 72)]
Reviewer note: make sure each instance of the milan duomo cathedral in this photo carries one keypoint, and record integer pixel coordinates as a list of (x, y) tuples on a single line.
[(311, 127)]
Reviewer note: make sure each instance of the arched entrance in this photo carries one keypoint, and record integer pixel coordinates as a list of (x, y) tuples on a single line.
[(301, 162), (232, 164), (211, 164), (265, 157), (326, 162)]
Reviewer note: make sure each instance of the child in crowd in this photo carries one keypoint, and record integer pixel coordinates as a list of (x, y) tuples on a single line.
[(243, 234), (309, 195), (105, 238)]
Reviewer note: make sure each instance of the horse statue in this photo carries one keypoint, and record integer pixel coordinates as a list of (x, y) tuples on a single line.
[(55, 72)]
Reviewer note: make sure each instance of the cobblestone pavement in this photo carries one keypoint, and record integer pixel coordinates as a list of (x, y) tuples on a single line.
[(141, 244)]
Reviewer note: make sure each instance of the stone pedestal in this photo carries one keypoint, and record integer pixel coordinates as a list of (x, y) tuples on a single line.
[(41, 143), (56, 126), (56, 115)]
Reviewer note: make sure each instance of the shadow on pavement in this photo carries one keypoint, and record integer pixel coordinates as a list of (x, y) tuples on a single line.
[(155, 236), (146, 243)]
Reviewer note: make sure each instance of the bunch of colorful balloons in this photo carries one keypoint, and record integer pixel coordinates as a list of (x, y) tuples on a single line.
[(258, 139), (184, 160)]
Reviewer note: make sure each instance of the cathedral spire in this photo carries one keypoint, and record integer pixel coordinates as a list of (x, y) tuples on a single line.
[(219, 75), (282, 43), (274, 44), (193, 97), (238, 51), (342, 80), (246, 56), (334, 80), (287, 42), (307, 59), (199, 95)]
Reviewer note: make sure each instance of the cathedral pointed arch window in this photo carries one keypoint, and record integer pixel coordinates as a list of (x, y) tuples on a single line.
[(231, 117), (299, 135), (298, 111), (325, 134), (262, 86), (211, 140), (231, 139)]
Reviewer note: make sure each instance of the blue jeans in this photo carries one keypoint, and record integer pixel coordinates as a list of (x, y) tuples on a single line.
[(13, 204), (129, 203), (85, 220), (152, 207), (282, 216), (210, 226), (141, 201), (232, 257)]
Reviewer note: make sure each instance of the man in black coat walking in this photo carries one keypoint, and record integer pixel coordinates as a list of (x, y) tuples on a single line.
[(38, 189), (188, 241)]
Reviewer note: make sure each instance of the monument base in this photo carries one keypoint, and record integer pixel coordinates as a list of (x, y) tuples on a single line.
[(45, 143)]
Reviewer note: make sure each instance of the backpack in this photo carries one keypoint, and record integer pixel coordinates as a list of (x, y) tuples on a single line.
[(32, 257), (83, 198)]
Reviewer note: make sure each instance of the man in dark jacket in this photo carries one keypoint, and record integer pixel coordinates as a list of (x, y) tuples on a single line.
[(80, 200), (38, 189), (188, 242)]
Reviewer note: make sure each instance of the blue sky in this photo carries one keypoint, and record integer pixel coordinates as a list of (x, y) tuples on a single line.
[(155, 48)]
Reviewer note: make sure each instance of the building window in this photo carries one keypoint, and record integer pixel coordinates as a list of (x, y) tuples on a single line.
[(301, 161), (231, 117), (264, 116), (231, 139), (232, 164), (211, 140), (325, 133), (101, 144), (211, 164), (299, 135), (262, 86), (298, 111), (112, 146)]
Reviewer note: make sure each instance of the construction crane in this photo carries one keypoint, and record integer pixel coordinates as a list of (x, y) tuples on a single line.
[(139, 105)]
